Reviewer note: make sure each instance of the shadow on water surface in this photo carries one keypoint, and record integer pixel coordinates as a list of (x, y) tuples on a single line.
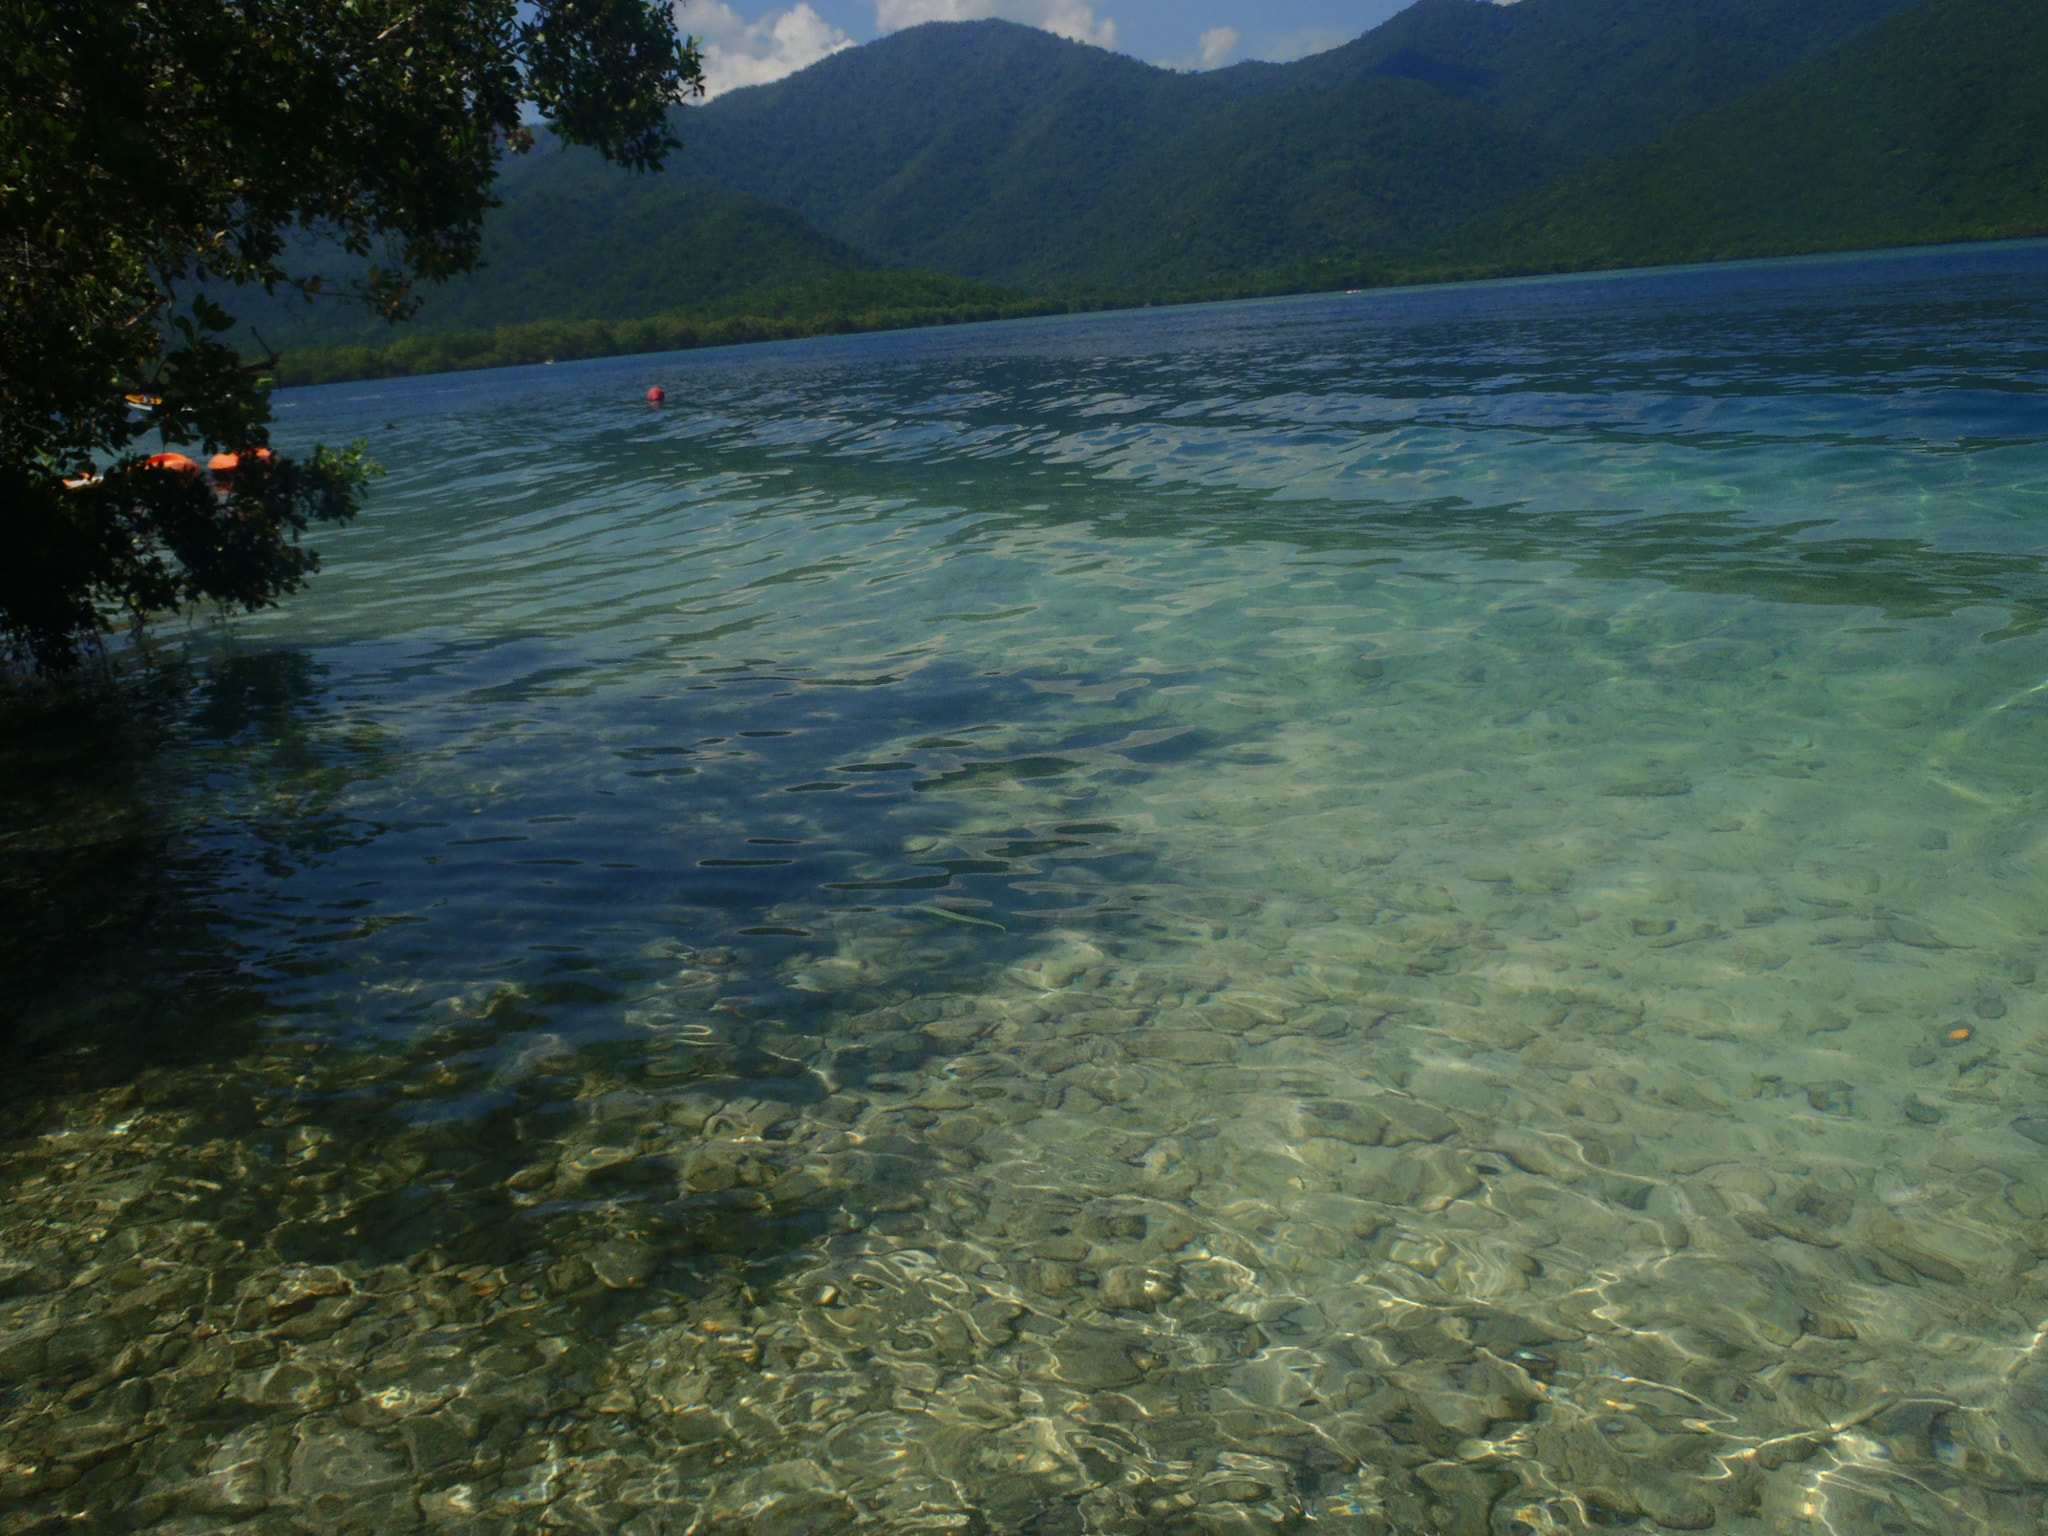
[(119, 934), (282, 1237), (179, 903), (236, 1206)]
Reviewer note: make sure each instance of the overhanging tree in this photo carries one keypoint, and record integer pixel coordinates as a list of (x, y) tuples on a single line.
[(153, 152)]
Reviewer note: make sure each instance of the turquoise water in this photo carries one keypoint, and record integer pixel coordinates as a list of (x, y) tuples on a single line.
[(1414, 912)]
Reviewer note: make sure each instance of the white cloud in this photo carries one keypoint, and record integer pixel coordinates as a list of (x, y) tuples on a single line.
[(1074, 19), (738, 52), (1212, 50), (1218, 44)]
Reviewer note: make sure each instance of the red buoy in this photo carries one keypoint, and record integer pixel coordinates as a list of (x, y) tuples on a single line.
[(656, 395)]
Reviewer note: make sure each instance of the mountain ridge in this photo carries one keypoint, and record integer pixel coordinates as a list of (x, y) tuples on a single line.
[(988, 151), (998, 152)]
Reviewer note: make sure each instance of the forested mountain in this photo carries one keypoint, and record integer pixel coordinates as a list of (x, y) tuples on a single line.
[(1932, 127), (1460, 136), (1001, 152), (1595, 76), (587, 247)]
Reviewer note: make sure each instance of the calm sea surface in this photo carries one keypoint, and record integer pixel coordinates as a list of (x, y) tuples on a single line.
[(1407, 913)]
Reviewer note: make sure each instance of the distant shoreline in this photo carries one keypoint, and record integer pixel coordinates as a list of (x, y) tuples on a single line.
[(546, 341)]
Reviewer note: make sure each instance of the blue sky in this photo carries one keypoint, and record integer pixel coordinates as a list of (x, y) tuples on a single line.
[(748, 42)]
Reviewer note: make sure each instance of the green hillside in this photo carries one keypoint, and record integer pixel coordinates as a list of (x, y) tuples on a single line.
[(1459, 138), (1597, 76), (1000, 152), (583, 247), (1933, 127), (1331, 176), (850, 302), (1375, 153)]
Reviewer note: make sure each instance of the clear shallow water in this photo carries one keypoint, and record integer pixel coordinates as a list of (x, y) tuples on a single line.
[(1406, 913)]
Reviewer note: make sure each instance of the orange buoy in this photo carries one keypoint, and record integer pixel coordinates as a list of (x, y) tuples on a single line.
[(656, 395), (176, 463), (224, 465)]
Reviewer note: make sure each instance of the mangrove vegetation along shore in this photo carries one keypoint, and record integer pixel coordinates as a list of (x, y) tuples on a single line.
[(549, 341), (876, 301)]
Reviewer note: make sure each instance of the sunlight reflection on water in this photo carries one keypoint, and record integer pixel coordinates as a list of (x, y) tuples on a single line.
[(1403, 913)]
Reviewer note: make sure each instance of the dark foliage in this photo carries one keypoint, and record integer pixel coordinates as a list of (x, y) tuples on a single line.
[(147, 151), (583, 248), (1933, 127), (843, 305), (152, 539), (1597, 76)]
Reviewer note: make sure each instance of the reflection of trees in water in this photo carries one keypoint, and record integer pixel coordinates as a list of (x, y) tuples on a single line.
[(134, 810)]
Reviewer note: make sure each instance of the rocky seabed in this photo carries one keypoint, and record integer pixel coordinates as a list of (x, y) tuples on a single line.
[(1283, 1217)]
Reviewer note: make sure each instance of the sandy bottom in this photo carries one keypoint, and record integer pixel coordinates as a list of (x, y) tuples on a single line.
[(1569, 1060)]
